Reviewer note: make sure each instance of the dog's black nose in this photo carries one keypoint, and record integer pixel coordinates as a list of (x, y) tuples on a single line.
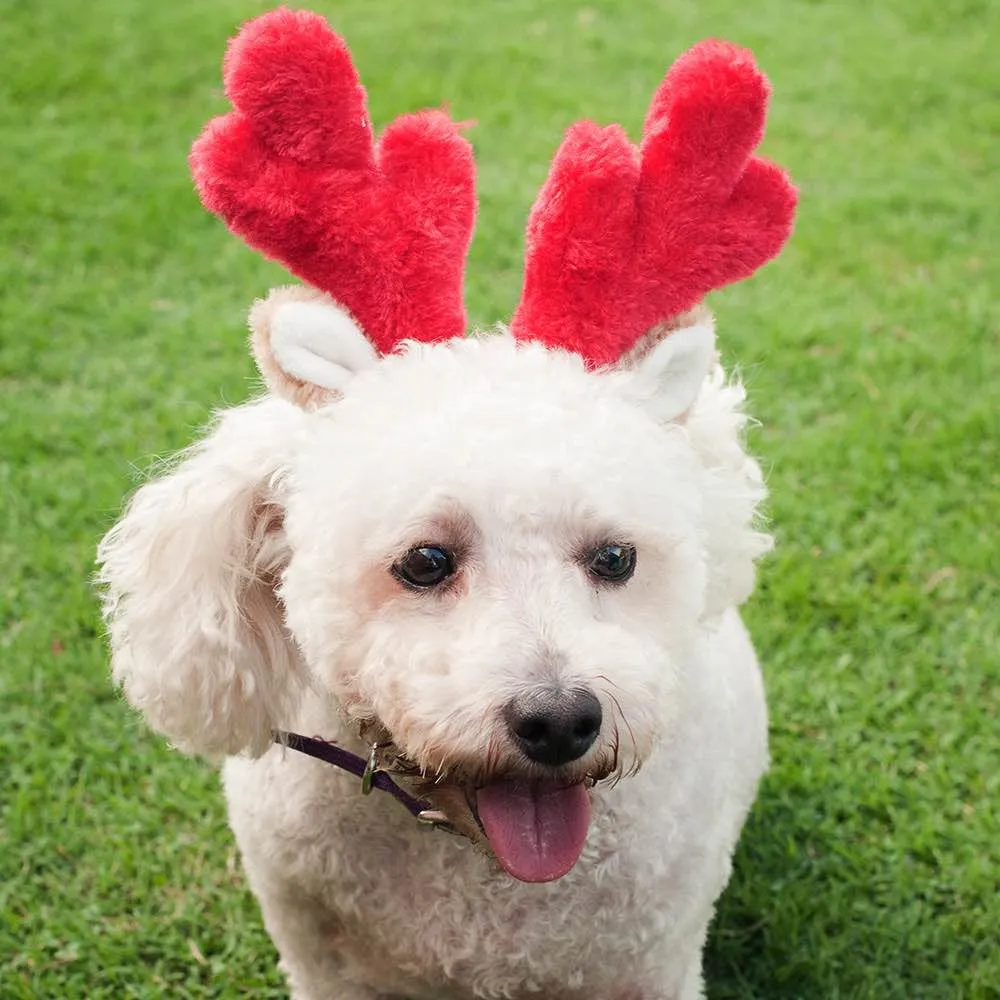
[(552, 726)]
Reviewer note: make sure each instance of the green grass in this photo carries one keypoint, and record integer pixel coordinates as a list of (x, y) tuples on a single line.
[(870, 866)]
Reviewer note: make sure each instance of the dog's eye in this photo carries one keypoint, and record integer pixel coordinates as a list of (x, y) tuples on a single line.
[(425, 566), (612, 563)]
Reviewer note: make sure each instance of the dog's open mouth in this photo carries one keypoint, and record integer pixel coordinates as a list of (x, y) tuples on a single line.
[(536, 829), (535, 826)]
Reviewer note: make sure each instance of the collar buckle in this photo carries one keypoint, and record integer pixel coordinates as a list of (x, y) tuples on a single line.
[(434, 819), (372, 767)]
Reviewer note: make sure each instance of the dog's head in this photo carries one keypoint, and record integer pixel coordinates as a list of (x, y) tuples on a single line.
[(496, 553), (493, 556)]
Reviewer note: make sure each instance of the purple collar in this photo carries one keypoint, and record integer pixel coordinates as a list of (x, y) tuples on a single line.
[(368, 771)]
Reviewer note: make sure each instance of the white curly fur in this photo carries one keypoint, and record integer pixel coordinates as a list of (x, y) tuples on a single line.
[(249, 588)]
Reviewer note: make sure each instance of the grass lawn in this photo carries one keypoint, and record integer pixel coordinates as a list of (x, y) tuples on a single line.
[(872, 351)]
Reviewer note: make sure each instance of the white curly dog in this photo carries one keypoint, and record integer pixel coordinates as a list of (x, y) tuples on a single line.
[(494, 578), (530, 584)]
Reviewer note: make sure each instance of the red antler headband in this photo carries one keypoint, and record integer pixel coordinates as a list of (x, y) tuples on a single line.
[(294, 171), (620, 239)]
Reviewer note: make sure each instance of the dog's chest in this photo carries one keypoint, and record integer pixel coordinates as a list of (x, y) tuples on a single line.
[(421, 913)]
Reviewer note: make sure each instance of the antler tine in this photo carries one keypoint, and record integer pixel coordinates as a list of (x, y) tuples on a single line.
[(294, 171), (705, 120), (584, 217), (621, 239)]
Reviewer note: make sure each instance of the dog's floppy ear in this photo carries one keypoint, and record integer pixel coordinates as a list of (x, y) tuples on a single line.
[(307, 346), (671, 365), (197, 634)]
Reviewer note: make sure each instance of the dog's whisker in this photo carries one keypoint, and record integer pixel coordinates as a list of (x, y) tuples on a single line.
[(607, 680), (491, 756), (624, 718), (618, 770)]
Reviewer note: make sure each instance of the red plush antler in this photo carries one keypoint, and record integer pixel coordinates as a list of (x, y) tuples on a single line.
[(293, 171), (621, 239)]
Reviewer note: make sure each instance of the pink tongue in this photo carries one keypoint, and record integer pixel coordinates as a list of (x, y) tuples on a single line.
[(536, 830)]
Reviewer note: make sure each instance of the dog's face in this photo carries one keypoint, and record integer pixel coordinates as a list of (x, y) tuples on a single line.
[(497, 556), (497, 561)]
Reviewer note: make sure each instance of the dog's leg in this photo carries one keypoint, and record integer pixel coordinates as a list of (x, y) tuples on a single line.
[(683, 981), (690, 987), (305, 935), (694, 984)]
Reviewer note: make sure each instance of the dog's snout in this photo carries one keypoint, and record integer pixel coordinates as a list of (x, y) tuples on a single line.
[(554, 726)]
